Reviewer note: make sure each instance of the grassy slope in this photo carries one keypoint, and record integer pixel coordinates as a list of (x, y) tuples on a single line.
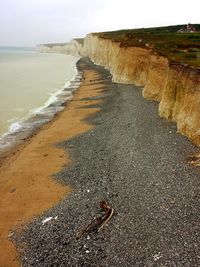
[(177, 47)]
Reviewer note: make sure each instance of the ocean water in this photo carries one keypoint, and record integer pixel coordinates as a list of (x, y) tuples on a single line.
[(33, 87)]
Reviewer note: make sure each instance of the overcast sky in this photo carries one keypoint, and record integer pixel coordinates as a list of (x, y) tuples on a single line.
[(30, 22)]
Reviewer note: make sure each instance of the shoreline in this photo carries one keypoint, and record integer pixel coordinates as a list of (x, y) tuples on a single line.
[(127, 156), (27, 126), (27, 187)]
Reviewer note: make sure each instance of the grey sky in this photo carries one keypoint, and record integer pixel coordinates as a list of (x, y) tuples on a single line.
[(29, 22)]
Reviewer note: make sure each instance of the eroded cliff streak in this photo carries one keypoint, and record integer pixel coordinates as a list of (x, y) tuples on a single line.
[(176, 87), (180, 100)]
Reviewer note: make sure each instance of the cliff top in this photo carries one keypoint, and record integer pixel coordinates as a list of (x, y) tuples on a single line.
[(177, 44)]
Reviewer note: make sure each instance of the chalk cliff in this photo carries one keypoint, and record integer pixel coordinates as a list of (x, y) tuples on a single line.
[(176, 87), (74, 47)]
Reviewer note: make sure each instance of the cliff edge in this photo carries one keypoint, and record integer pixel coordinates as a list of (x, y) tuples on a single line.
[(176, 85)]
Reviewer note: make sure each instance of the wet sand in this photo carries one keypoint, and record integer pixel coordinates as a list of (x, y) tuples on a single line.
[(26, 185)]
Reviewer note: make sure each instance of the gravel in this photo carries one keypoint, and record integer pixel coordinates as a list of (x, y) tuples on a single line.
[(135, 161)]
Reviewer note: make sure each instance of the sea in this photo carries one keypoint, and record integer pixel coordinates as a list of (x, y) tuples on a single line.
[(34, 87)]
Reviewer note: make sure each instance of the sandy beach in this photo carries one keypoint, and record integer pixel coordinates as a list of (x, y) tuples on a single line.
[(26, 184), (108, 144)]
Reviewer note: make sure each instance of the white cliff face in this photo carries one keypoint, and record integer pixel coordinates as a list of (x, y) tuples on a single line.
[(176, 87), (127, 65), (43, 49), (74, 48)]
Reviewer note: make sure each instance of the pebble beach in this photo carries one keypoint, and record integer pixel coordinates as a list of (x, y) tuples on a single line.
[(108, 144)]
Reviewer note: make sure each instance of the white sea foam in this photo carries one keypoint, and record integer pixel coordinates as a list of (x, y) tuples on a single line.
[(14, 127), (54, 97)]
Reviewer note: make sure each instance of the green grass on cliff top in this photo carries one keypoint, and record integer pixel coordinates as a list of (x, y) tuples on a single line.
[(182, 47)]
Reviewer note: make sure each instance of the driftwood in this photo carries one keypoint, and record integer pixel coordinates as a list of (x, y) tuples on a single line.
[(99, 222), (194, 160)]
